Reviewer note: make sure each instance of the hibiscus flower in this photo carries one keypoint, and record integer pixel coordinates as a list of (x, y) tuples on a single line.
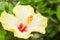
[(24, 22)]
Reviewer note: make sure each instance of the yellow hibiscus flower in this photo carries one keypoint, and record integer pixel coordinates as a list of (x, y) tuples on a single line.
[(24, 22)]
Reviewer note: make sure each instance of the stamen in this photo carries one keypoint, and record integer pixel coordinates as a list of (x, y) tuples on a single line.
[(22, 28), (29, 19)]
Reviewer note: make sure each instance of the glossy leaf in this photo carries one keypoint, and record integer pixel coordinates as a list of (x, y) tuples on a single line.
[(58, 12)]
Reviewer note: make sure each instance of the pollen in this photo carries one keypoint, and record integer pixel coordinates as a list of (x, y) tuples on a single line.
[(29, 19)]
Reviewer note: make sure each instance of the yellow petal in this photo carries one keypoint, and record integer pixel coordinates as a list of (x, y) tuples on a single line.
[(22, 34), (23, 12), (8, 21), (38, 24)]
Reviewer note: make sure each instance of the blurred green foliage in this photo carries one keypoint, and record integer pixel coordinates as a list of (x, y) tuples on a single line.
[(48, 8)]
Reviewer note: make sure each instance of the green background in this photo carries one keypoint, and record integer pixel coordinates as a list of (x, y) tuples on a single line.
[(48, 8)]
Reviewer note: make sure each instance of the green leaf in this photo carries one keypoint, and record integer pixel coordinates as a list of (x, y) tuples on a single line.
[(51, 29), (2, 6), (52, 34), (58, 27), (38, 1), (6, 6), (25, 1), (2, 34), (58, 12), (11, 6), (53, 1), (49, 11), (10, 35)]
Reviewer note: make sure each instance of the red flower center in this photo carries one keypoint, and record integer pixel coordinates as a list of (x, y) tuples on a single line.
[(22, 27)]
